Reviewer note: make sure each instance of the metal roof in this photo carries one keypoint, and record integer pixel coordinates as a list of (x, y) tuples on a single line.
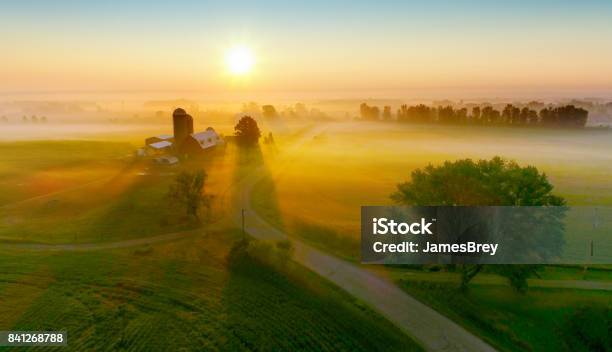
[(160, 145), (207, 139)]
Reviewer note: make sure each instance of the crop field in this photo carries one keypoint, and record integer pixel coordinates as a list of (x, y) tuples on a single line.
[(86, 190), (33, 168), (167, 296), (95, 191), (317, 196), (183, 296), (91, 191), (350, 165)]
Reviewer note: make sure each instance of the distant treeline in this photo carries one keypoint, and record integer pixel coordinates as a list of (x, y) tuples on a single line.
[(24, 118), (562, 116)]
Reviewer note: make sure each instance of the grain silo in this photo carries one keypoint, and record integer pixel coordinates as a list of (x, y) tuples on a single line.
[(183, 126)]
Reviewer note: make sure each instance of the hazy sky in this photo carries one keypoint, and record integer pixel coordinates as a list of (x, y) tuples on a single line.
[(314, 46)]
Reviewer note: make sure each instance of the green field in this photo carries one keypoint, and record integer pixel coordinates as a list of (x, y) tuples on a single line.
[(91, 192), (507, 320), (183, 296), (354, 164), (33, 168), (134, 298), (317, 197), (173, 296)]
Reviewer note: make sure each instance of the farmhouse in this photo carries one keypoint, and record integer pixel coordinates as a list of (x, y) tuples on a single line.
[(200, 142), (184, 141)]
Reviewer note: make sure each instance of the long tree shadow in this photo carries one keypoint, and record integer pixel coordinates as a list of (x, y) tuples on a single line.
[(256, 187)]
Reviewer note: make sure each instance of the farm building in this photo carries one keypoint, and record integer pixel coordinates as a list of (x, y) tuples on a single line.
[(163, 147), (184, 140), (200, 142), (182, 123), (160, 138)]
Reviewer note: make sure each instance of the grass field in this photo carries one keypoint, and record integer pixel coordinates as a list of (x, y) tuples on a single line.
[(33, 168), (174, 296), (75, 191), (350, 165), (88, 191), (510, 321), (317, 197), (183, 296), (95, 191)]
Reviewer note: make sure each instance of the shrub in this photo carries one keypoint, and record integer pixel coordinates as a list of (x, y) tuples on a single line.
[(272, 254)]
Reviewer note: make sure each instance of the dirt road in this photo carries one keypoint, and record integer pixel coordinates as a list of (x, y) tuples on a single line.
[(432, 330)]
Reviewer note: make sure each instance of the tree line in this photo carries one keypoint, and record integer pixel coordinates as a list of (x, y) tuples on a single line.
[(561, 116), (25, 119)]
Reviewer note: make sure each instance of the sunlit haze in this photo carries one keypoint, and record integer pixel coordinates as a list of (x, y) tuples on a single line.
[(326, 48), (314, 176)]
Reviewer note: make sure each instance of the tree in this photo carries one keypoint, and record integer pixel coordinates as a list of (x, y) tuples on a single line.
[(269, 139), (247, 131), (269, 111), (188, 191), (419, 113), (571, 116), (490, 115), (387, 113), (402, 113), (446, 114), (564, 116), (250, 108), (485, 182), (507, 114), (529, 116), (475, 115), (369, 112), (461, 115), (301, 110)]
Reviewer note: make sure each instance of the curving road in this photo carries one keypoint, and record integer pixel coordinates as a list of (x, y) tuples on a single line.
[(432, 330), (94, 246)]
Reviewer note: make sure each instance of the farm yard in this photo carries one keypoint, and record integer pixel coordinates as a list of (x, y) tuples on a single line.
[(94, 191), (306, 176), (352, 165), (169, 295)]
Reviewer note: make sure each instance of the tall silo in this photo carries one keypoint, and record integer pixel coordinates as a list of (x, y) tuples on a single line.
[(183, 126)]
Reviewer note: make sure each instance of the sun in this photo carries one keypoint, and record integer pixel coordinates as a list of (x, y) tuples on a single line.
[(239, 60)]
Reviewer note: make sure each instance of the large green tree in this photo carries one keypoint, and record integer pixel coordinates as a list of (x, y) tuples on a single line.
[(247, 131), (188, 191), (495, 182)]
